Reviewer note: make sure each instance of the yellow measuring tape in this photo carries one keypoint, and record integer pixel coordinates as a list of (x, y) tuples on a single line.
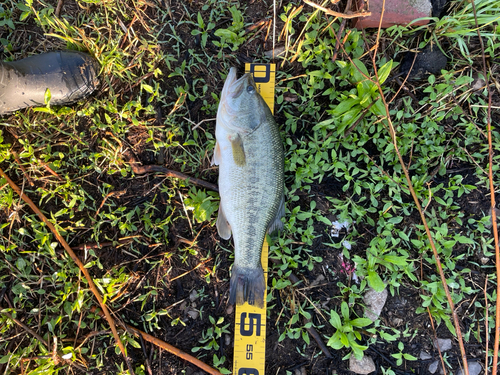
[(250, 322)]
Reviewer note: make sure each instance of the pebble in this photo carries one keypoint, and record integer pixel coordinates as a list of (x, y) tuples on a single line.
[(193, 296), (193, 314), (474, 369), (229, 309), (396, 322), (277, 51), (424, 355), (443, 344), (433, 366), (227, 339), (319, 279), (374, 302), (363, 366)]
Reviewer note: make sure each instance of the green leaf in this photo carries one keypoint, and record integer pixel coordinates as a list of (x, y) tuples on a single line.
[(384, 71), (344, 106), (361, 322), (47, 96), (397, 260), (344, 307), (335, 320), (375, 281)]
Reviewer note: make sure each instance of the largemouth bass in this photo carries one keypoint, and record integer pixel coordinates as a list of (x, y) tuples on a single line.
[(249, 153)]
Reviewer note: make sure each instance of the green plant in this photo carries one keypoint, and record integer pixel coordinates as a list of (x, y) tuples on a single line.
[(211, 336), (233, 36), (402, 356), (347, 331)]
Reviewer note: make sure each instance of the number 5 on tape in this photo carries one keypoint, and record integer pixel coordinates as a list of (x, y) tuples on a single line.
[(250, 322)]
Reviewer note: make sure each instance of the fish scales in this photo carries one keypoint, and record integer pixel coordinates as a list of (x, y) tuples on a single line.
[(249, 152)]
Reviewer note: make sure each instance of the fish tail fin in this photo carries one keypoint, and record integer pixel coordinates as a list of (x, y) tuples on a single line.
[(247, 285)]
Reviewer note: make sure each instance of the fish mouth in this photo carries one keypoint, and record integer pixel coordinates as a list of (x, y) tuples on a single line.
[(233, 87)]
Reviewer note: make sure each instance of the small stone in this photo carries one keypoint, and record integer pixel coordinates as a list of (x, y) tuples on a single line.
[(193, 296), (319, 279), (229, 309), (433, 366), (424, 355), (193, 314), (363, 366), (227, 339), (277, 51), (474, 369), (443, 344), (374, 302), (396, 322)]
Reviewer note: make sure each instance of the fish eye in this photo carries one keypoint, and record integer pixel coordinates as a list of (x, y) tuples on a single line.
[(250, 89)]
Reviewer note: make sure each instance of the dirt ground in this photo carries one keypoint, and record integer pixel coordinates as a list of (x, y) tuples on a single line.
[(175, 295)]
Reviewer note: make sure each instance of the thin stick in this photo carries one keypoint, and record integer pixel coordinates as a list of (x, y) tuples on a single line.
[(162, 344), (70, 252), (337, 14), (39, 338), (58, 8), (486, 326), (142, 169), (18, 161), (493, 203), (419, 207), (191, 270)]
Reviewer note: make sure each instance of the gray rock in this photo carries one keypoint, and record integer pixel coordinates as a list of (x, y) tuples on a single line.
[(443, 344), (364, 366), (374, 302), (474, 369), (424, 355), (433, 366), (193, 296)]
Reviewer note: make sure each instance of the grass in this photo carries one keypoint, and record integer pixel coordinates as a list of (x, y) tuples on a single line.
[(159, 78)]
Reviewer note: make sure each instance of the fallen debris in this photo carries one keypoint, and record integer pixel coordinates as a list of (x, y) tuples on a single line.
[(397, 12), (418, 65), (374, 302), (442, 344), (363, 366)]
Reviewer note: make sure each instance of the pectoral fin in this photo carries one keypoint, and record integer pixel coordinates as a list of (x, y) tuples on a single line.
[(223, 226), (238, 150), (217, 157), (277, 224)]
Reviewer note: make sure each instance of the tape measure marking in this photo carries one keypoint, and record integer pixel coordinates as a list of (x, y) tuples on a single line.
[(250, 321)]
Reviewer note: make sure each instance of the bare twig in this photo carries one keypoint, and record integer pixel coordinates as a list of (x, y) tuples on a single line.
[(341, 30), (58, 8), (417, 203), (486, 305), (493, 203), (18, 161), (162, 344), (70, 252), (142, 169), (58, 356), (337, 14)]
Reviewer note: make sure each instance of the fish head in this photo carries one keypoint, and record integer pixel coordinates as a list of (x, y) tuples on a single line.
[(241, 106)]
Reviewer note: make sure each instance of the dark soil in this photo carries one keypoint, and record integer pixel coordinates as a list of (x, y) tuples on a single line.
[(178, 278)]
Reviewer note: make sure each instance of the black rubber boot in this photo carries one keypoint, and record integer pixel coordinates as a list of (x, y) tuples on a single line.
[(70, 76)]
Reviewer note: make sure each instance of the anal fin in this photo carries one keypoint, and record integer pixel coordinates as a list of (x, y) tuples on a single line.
[(277, 224), (223, 226), (216, 159)]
